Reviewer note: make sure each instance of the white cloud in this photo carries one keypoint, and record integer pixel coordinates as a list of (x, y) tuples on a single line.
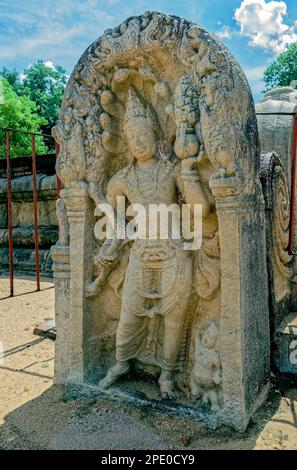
[(225, 33), (49, 64), (264, 24)]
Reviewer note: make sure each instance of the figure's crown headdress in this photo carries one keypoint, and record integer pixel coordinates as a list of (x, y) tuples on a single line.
[(136, 112)]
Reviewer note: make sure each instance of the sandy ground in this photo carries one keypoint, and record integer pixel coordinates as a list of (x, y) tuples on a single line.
[(34, 414)]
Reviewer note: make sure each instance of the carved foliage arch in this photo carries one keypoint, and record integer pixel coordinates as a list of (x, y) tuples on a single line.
[(154, 52)]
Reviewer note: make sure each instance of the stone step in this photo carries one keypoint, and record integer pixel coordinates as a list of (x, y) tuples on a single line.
[(286, 345), (24, 261)]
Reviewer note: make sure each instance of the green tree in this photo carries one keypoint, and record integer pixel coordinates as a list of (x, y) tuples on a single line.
[(43, 84), (13, 78), (19, 112), (284, 70)]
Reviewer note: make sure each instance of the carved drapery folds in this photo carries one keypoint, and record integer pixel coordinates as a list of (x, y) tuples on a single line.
[(199, 109)]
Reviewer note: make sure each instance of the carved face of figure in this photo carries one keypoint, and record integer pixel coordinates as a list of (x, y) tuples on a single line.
[(142, 142)]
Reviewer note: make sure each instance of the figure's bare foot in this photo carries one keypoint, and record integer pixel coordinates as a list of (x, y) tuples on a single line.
[(195, 390), (121, 368), (166, 384), (205, 399), (195, 396)]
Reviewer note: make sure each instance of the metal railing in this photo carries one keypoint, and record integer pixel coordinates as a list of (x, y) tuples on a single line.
[(8, 132)]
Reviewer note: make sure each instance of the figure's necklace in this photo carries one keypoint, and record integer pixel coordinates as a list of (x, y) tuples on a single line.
[(155, 172)]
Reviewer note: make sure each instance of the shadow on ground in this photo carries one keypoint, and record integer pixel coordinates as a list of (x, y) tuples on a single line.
[(51, 421)]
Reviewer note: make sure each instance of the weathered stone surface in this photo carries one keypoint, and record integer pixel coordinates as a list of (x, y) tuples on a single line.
[(23, 222), (286, 341), (61, 269), (275, 116), (22, 200), (167, 96), (24, 261), (23, 236), (280, 263), (22, 187)]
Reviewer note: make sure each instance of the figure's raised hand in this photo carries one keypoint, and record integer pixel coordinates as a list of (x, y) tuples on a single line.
[(201, 154)]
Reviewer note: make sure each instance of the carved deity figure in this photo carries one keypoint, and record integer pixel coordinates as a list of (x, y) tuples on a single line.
[(206, 375), (168, 96), (159, 277)]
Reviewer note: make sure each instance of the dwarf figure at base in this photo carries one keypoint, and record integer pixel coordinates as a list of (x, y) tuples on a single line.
[(206, 375)]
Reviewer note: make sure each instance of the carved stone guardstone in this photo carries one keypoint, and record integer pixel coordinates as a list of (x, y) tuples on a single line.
[(275, 116), (275, 121), (280, 263), (61, 268), (158, 111)]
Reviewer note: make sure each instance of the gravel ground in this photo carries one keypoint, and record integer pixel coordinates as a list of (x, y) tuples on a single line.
[(35, 414)]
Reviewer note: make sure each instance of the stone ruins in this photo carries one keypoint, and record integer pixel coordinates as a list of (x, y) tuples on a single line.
[(158, 111)]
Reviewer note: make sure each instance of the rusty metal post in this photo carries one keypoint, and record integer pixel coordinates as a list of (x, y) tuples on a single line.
[(293, 186), (9, 212), (35, 213), (57, 149)]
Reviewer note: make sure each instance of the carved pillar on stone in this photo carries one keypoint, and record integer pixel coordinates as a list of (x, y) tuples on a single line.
[(61, 268), (244, 325), (80, 216)]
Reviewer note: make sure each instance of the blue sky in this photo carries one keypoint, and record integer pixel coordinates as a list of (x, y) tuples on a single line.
[(58, 31)]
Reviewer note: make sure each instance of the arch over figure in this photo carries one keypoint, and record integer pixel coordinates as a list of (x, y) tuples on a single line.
[(157, 111)]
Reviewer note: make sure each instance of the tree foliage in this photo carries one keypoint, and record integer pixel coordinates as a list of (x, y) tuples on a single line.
[(13, 78), (284, 70), (45, 85), (19, 112), (42, 83)]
